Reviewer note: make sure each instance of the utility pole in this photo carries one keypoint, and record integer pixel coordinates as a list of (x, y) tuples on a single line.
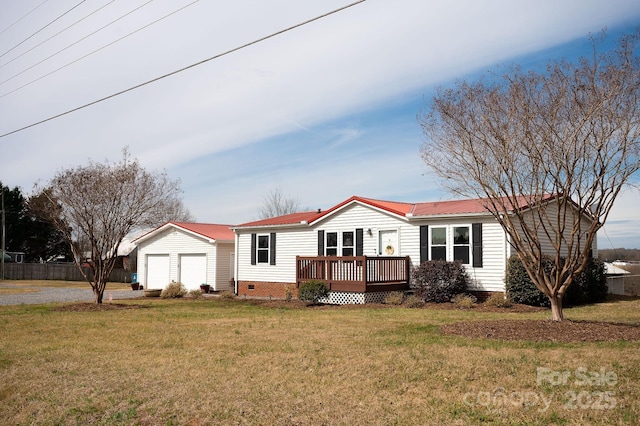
[(3, 236)]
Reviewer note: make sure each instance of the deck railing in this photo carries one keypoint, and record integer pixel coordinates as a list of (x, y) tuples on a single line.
[(354, 273)]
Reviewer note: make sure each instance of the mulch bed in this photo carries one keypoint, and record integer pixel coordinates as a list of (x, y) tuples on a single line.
[(544, 330)]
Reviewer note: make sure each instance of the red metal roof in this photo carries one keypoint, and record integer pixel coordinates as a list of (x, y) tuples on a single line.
[(288, 219), (437, 208), (209, 230)]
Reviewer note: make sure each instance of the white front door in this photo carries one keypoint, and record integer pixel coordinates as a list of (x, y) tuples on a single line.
[(388, 243)]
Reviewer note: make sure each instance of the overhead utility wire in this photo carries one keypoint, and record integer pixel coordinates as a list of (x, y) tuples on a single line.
[(185, 68), (24, 16), (58, 33), (95, 51), (74, 43), (42, 28)]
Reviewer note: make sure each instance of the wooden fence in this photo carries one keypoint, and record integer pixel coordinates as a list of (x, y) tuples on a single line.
[(56, 271)]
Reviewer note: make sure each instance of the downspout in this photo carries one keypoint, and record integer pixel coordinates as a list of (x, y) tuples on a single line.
[(236, 263)]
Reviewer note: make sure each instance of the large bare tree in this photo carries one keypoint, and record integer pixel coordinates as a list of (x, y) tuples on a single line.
[(277, 204), (550, 151), (97, 205)]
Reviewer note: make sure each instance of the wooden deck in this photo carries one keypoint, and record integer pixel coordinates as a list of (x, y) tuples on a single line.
[(359, 274)]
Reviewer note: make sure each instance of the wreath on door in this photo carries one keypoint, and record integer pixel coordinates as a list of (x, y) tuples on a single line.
[(389, 249)]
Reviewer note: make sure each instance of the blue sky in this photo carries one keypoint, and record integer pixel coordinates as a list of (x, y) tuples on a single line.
[(323, 112)]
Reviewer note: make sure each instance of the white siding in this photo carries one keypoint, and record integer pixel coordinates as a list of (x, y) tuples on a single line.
[(175, 242), (303, 241), (552, 212), (223, 269)]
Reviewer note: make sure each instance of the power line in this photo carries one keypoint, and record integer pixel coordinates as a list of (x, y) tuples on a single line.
[(24, 16), (92, 52), (42, 28), (76, 42), (57, 34), (186, 68)]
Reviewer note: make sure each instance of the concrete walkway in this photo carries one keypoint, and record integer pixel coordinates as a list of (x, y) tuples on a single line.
[(53, 295)]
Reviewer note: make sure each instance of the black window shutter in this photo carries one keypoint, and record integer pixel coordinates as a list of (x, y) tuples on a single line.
[(320, 243), (253, 249), (477, 244), (272, 249), (359, 242), (424, 243)]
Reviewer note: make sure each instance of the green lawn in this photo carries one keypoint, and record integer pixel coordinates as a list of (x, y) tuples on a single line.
[(225, 362)]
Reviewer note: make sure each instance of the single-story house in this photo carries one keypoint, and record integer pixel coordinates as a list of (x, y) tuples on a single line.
[(364, 248), (190, 253)]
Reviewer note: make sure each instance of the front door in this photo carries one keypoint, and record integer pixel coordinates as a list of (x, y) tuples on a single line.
[(388, 243)]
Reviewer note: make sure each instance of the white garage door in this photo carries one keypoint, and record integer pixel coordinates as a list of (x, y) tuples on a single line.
[(157, 270), (193, 270)]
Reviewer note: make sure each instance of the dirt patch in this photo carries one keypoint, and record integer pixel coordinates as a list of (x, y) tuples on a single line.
[(544, 330), (93, 307)]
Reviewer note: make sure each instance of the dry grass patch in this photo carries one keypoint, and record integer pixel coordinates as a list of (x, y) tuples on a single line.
[(215, 361)]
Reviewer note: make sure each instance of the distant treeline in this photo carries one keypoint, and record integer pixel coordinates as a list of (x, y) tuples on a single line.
[(609, 255)]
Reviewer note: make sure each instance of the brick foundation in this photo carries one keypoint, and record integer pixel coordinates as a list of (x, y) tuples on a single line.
[(261, 289)]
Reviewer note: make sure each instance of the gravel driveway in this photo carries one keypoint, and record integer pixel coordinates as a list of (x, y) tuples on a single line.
[(51, 295)]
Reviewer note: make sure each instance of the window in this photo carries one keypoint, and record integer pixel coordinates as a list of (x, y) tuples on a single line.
[(347, 243), (263, 249), (461, 244), (332, 244), (439, 243)]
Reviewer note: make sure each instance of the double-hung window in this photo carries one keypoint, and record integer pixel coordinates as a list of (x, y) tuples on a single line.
[(347, 243), (461, 244), (332, 244), (263, 249), (438, 243)]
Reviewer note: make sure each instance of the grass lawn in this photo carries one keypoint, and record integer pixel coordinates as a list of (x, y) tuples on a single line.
[(226, 362)]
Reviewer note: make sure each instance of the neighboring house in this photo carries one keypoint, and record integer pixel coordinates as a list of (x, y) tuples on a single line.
[(364, 248), (13, 256), (190, 253), (615, 278), (128, 251)]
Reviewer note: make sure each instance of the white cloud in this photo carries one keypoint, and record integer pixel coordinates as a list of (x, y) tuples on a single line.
[(217, 126)]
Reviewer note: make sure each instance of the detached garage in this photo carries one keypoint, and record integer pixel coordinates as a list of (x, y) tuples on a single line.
[(190, 253)]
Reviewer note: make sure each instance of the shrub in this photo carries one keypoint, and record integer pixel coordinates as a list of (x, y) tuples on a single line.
[(413, 301), (588, 287), (394, 298), (196, 293), (173, 291), (438, 281), (289, 289), (227, 294), (464, 300), (499, 300), (312, 291), (519, 286)]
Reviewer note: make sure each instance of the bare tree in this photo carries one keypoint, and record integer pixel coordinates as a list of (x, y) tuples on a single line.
[(96, 206), (561, 143), (277, 204)]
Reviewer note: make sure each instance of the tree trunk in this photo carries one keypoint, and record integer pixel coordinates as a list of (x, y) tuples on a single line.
[(556, 308), (98, 294)]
